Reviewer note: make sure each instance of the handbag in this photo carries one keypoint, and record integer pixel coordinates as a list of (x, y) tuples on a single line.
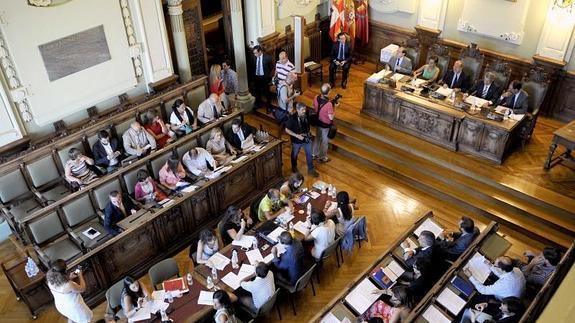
[(332, 131)]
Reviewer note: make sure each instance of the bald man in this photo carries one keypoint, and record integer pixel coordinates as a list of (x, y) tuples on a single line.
[(456, 78), (137, 141), (283, 67), (211, 109), (511, 282)]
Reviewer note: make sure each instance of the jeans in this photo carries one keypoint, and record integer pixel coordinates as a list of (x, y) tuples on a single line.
[(320, 144), (295, 148)]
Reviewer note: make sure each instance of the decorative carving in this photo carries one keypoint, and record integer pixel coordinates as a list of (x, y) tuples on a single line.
[(60, 128), (537, 74), (135, 48), (439, 50), (411, 43), (193, 28), (499, 66), (92, 112), (18, 92), (123, 98), (471, 51), (46, 3), (464, 25)]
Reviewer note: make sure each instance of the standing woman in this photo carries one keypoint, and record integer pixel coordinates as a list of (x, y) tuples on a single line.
[(66, 293), (134, 294), (217, 84)]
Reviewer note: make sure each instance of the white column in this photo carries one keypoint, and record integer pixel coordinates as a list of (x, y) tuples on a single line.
[(151, 30), (555, 41), (245, 100), (260, 19), (431, 14), (179, 35)]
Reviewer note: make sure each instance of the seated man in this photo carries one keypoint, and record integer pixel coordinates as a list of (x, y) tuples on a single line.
[(116, 210), (425, 251), (271, 203), (486, 89), (107, 151), (290, 264), (400, 63), (455, 78), (539, 267), (515, 98), (261, 288), (511, 282), (211, 109), (199, 161), (137, 141), (508, 311), (452, 246), (239, 133), (340, 57)]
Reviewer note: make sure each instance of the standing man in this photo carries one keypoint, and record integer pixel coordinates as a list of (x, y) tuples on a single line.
[(230, 80), (456, 78), (326, 113), (340, 56), (262, 77), (400, 63), (283, 67), (297, 127)]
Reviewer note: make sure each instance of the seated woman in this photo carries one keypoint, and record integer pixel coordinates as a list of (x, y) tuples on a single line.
[(221, 150), (156, 127), (172, 175), (77, 172), (182, 119), (343, 213), (146, 190), (322, 233), (401, 301), (134, 294), (234, 224), (292, 186), (207, 246), (429, 71), (224, 308)]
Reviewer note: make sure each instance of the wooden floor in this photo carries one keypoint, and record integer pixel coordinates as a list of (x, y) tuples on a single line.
[(389, 205)]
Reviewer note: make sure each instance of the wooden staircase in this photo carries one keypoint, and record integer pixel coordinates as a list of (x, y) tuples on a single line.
[(455, 178)]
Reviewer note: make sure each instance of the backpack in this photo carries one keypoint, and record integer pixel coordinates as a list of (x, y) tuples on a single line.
[(312, 115)]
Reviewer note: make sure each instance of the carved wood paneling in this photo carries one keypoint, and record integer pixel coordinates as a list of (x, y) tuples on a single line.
[(200, 208), (238, 185), (435, 126), (171, 227), (271, 167), (195, 36), (564, 103), (470, 134)]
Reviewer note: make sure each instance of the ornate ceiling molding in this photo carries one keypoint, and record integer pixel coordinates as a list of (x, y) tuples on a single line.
[(18, 93), (135, 47)]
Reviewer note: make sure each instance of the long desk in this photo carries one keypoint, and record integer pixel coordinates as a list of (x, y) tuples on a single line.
[(437, 121)]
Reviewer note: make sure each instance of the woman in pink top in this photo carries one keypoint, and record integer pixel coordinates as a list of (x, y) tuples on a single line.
[(172, 175)]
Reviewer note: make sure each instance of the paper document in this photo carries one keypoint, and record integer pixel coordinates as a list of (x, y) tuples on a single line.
[(280, 248), (285, 216), (206, 298), (393, 270), (501, 109), (479, 266), (269, 258), (314, 194), (473, 100), (361, 297), (91, 233), (254, 256), (245, 242), (155, 306), (140, 315), (159, 295), (189, 189), (246, 271), (232, 280), (274, 235), (388, 52), (444, 91), (330, 318), (239, 159), (219, 261), (429, 225), (451, 301), (247, 143), (419, 82), (397, 76), (301, 227), (167, 202), (308, 64), (433, 315), (516, 117)]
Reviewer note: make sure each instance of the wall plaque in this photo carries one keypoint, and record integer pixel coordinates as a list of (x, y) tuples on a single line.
[(74, 53)]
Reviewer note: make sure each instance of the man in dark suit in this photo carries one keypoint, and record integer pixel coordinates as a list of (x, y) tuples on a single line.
[(239, 132), (107, 151), (515, 98), (340, 56), (450, 247), (425, 250), (456, 77), (290, 264), (262, 71), (116, 210), (486, 88)]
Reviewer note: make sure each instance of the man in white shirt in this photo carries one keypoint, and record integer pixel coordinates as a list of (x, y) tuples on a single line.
[(511, 282), (283, 67), (211, 109), (199, 161), (322, 233), (261, 288)]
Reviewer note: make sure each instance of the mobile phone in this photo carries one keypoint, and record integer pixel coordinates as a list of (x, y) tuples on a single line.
[(78, 270)]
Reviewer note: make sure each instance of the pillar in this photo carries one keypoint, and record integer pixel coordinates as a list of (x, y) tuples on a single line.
[(244, 99), (260, 19), (178, 34)]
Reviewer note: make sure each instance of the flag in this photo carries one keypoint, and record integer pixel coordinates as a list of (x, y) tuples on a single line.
[(349, 24), (362, 21), (337, 21)]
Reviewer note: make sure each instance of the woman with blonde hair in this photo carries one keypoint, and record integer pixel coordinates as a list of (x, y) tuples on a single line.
[(219, 147), (217, 84)]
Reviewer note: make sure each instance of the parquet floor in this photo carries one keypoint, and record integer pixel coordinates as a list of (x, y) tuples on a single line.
[(389, 205)]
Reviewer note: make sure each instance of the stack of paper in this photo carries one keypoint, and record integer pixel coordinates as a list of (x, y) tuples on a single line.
[(479, 267), (140, 315), (254, 256), (219, 261), (433, 315), (301, 227), (314, 194), (387, 53), (444, 91), (308, 64), (393, 270), (501, 109), (274, 235), (246, 271), (516, 117), (419, 82), (189, 189), (245, 242), (429, 225), (206, 298), (362, 296), (397, 77), (285, 216), (473, 100), (451, 301), (232, 280), (239, 159)]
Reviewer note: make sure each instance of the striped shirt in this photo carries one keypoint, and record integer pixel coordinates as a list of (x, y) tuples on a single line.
[(283, 70), (230, 79)]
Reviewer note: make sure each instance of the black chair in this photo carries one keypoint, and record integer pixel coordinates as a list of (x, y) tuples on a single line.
[(301, 284), (264, 309), (328, 252)]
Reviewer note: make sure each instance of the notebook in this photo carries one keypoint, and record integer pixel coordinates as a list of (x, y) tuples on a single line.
[(462, 285), (361, 297), (428, 225), (386, 276), (451, 301), (175, 284)]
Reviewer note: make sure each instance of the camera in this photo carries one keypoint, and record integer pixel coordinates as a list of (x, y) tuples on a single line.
[(335, 100)]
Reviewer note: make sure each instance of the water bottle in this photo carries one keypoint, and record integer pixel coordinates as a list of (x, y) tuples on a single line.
[(309, 209), (291, 227), (209, 282), (215, 274), (506, 114), (190, 280), (255, 244), (170, 297), (235, 259), (164, 316)]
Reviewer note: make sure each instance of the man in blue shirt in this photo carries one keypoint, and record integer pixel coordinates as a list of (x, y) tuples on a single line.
[(290, 264)]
